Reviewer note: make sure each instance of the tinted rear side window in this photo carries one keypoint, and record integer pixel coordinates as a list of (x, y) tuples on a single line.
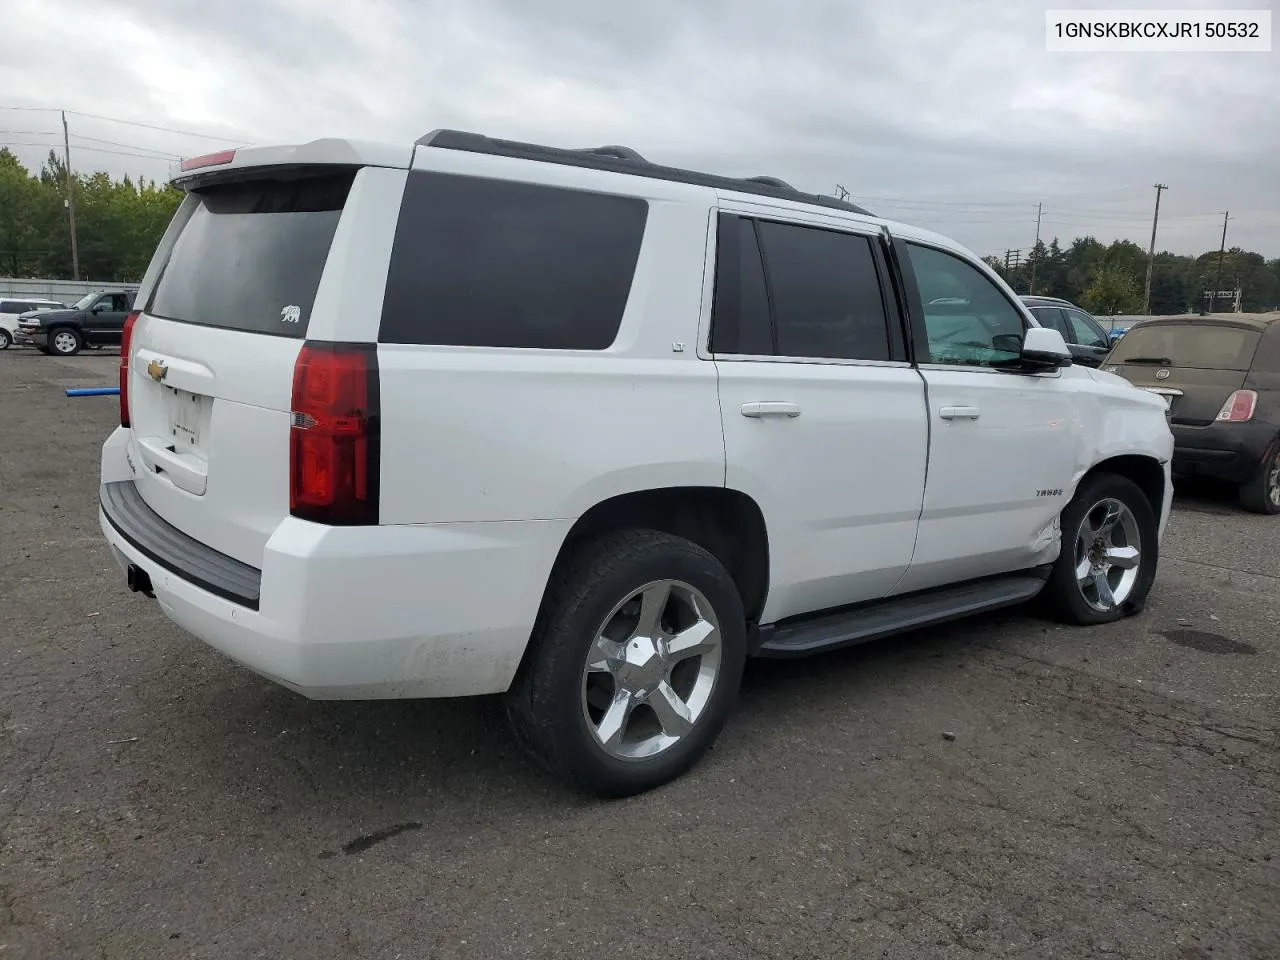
[(826, 293), (740, 321), (494, 263), (250, 255)]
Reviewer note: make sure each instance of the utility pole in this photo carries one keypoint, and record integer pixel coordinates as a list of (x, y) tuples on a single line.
[(71, 198), (1213, 294), (1151, 254), (1035, 251)]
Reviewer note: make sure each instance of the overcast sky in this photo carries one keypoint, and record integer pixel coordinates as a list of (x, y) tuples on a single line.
[(946, 113)]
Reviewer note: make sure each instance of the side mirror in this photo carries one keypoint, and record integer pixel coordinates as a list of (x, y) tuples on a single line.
[(1045, 348)]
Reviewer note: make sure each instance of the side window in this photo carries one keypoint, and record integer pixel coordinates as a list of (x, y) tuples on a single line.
[(496, 263), (119, 303), (825, 292), (9, 306), (740, 311), (1053, 318), (968, 320), (1086, 330)]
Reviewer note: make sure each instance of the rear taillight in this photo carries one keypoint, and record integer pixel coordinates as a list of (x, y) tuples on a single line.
[(1239, 407), (333, 436), (125, 337)]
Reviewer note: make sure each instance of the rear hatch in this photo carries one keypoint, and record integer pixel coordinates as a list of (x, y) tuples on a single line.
[(1196, 365), (223, 315)]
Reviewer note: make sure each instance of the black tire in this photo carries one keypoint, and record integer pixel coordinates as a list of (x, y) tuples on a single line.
[(1262, 493), (76, 341), (545, 703), (1063, 598), (6, 339), (45, 350)]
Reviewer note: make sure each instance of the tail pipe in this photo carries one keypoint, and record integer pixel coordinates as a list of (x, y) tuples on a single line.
[(139, 581)]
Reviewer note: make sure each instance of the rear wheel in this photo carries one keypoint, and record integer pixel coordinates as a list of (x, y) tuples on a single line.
[(5, 339), (65, 342), (1262, 493), (634, 663), (1109, 553)]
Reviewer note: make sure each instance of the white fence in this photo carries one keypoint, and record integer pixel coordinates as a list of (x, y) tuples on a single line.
[(66, 291)]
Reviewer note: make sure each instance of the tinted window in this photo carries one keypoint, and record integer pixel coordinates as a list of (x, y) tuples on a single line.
[(12, 306), (1186, 344), (968, 319), (740, 316), (1052, 318), (495, 263), (251, 254), (826, 294), (1086, 329)]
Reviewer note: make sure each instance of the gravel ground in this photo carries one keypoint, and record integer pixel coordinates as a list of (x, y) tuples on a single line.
[(1100, 792)]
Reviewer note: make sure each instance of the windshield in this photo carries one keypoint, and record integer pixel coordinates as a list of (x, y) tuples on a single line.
[(1188, 345), (83, 302)]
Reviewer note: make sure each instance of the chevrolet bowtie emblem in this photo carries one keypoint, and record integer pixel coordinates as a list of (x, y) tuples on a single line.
[(156, 370)]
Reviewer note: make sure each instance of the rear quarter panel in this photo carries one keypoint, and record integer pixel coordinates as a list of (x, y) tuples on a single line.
[(498, 434)]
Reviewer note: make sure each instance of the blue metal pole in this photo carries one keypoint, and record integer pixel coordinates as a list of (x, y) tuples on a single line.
[(94, 392)]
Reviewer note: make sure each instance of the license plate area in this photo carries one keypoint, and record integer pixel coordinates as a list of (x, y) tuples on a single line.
[(188, 420)]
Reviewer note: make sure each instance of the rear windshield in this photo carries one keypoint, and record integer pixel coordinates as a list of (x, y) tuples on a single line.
[(250, 255), (1188, 345)]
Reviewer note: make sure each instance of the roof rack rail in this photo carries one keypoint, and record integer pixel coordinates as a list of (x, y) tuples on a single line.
[(618, 159)]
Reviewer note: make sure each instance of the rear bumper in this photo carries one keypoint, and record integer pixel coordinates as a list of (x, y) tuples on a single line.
[(438, 610), (1223, 451)]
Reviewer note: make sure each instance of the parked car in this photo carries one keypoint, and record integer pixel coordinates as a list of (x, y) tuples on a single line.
[(1088, 342), (96, 320), (1221, 379), (472, 416), (11, 308)]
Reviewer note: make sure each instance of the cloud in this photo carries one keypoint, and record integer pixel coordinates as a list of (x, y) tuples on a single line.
[(953, 111)]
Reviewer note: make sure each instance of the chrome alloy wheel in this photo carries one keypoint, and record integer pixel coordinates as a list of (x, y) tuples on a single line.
[(651, 670), (1273, 482), (1108, 554), (64, 341)]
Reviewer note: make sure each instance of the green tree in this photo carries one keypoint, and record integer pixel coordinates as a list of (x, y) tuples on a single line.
[(1112, 291)]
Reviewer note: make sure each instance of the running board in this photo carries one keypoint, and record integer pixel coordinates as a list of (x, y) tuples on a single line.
[(883, 618)]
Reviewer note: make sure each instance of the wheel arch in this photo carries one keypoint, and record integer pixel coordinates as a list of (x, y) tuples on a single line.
[(725, 522), (1146, 472)]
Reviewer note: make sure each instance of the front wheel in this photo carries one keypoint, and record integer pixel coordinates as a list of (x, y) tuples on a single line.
[(1110, 547), (634, 663), (65, 341), (1262, 493)]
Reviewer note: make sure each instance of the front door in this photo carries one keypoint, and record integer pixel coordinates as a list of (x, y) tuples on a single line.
[(106, 318), (1002, 448), (824, 418)]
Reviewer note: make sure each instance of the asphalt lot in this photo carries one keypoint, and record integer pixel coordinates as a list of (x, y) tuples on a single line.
[(1108, 792)]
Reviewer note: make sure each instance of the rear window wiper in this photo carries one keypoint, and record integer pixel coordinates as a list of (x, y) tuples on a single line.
[(1163, 361)]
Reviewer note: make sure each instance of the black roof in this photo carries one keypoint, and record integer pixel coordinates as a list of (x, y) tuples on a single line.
[(625, 160)]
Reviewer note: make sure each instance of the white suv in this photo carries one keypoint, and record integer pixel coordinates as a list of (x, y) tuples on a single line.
[(471, 416), (11, 308)]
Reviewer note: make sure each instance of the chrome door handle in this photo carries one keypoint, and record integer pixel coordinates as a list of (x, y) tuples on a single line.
[(959, 413), (770, 408)]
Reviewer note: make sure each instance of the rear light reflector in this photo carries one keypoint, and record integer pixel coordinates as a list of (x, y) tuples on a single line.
[(333, 434), (208, 160), (126, 338), (1239, 407)]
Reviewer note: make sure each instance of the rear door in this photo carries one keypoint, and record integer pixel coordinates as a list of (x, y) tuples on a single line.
[(1194, 364), (824, 419), (251, 266)]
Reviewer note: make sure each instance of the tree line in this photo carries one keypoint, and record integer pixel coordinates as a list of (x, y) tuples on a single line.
[(1109, 280), (119, 223)]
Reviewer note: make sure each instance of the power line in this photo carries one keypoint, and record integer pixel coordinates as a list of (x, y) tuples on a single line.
[(132, 123), (128, 146), (118, 153)]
